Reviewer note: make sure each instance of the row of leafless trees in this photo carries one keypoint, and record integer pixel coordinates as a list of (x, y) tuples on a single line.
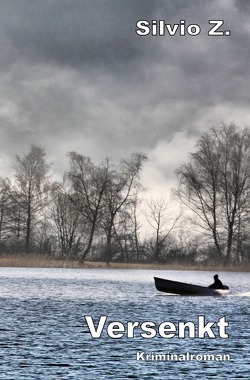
[(97, 211), (67, 217)]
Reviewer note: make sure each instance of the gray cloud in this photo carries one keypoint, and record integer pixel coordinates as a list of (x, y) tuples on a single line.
[(74, 75), (75, 34)]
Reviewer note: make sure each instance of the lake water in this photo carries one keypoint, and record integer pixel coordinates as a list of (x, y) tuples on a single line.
[(44, 334)]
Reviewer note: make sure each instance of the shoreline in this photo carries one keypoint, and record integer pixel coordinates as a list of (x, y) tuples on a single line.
[(26, 261)]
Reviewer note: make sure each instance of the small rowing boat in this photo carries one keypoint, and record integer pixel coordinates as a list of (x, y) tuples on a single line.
[(184, 289)]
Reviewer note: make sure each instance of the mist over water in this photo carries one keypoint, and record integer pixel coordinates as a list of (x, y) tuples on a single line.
[(44, 334)]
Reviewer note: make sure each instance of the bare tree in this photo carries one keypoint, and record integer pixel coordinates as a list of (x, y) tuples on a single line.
[(68, 224), (87, 183), (162, 220), (127, 233), (29, 190), (44, 237), (215, 184), (136, 227), (121, 190)]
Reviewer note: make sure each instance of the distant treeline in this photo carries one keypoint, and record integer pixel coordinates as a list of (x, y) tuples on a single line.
[(97, 212)]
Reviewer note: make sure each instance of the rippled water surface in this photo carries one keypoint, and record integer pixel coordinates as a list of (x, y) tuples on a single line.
[(44, 334)]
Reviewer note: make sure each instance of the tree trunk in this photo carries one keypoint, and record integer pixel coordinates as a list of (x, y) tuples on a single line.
[(109, 246), (217, 245), (28, 228), (90, 240), (229, 245)]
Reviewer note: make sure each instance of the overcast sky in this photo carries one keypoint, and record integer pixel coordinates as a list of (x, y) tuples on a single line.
[(75, 76)]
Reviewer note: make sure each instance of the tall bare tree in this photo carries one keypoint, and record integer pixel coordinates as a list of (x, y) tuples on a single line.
[(215, 185), (121, 190), (87, 183), (29, 190)]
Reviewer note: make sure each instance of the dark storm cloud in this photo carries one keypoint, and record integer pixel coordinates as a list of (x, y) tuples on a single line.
[(75, 33), (76, 76)]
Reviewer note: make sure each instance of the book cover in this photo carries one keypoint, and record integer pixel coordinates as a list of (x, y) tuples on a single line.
[(124, 189)]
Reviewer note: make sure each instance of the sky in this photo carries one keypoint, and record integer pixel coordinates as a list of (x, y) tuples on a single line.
[(76, 76)]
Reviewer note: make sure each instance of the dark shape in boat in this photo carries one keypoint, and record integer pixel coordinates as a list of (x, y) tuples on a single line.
[(182, 288), (217, 284)]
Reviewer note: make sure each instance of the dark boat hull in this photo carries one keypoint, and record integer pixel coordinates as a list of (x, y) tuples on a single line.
[(182, 288)]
